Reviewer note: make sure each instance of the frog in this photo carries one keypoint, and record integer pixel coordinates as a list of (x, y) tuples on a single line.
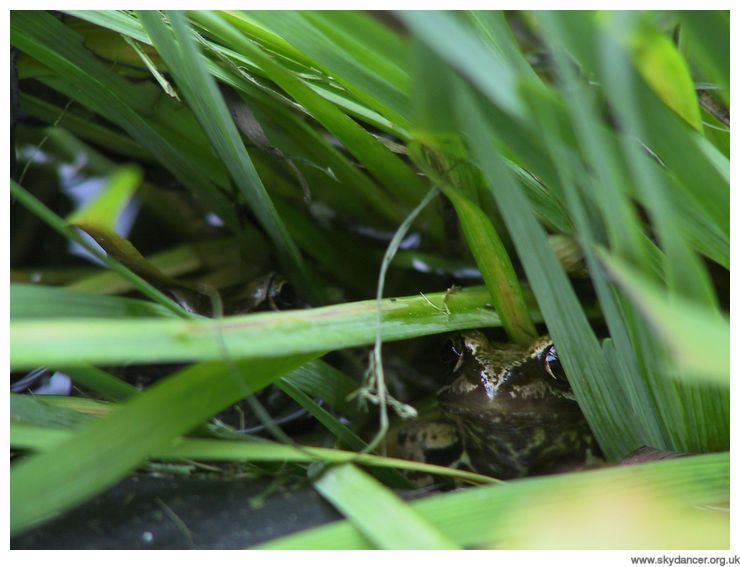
[(508, 411)]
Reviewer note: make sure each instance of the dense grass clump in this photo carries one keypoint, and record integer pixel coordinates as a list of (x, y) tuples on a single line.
[(270, 194)]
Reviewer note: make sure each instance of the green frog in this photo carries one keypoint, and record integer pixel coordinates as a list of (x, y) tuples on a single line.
[(508, 412)]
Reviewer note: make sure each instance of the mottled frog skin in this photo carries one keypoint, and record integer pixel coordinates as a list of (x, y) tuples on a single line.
[(508, 412)]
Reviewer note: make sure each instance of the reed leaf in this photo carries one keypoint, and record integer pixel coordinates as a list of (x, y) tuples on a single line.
[(110, 341)]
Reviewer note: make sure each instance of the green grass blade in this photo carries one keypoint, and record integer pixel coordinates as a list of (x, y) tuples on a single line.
[(698, 340), (178, 261), (105, 451), (259, 335), (299, 138), (486, 69), (360, 497), (474, 517), (106, 207), (343, 434), (708, 33), (39, 438), (662, 66), (495, 266), (86, 130), (34, 411), (663, 406), (606, 191), (438, 150), (31, 301), (100, 381), (365, 75), (685, 273), (50, 218), (324, 381)]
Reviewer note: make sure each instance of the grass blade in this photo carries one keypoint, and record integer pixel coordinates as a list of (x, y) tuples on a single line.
[(486, 69), (106, 207), (359, 497), (260, 335), (474, 517), (41, 439), (105, 451), (50, 218), (31, 301), (370, 79), (698, 340)]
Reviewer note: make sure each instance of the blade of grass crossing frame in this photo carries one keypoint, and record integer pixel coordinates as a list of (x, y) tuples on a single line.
[(101, 382), (709, 35), (648, 427), (489, 253), (594, 42), (324, 381), (260, 335), (360, 498), (361, 33), (684, 272), (691, 360), (294, 131), (453, 42), (365, 28), (438, 150), (331, 423), (86, 130), (493, 29), (38, 438), (675, 405), (495, 266)]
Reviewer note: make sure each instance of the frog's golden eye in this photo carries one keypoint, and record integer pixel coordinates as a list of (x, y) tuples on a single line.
[(552, 365)]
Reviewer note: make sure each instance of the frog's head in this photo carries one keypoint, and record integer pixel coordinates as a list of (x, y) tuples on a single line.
[(506, 379), (515, 408)]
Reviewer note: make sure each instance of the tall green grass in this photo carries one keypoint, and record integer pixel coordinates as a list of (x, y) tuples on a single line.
[(579, 124)]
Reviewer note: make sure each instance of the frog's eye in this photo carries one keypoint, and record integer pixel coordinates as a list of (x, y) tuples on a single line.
[(452, 353), (552, 365)]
